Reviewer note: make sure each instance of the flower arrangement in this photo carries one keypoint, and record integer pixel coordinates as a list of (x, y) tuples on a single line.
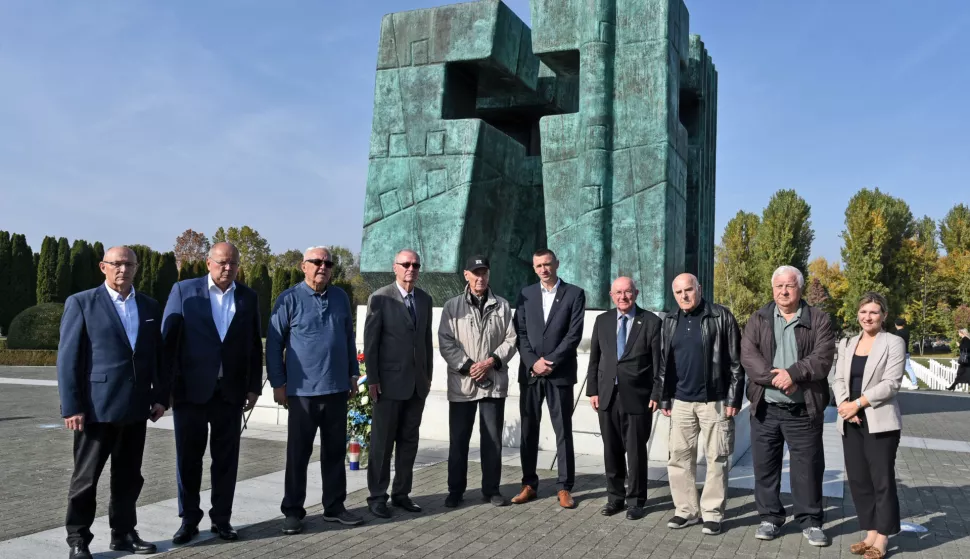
[(359, 411)]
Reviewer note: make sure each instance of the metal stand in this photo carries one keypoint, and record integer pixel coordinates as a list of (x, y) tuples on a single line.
[(245, 416)]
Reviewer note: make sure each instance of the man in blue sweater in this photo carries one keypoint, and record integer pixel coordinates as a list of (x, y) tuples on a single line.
[(313, 323)]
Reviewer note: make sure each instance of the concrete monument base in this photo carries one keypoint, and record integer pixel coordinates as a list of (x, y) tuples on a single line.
[(586, 432)]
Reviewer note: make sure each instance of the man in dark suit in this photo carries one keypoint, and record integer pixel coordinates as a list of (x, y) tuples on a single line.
[(211, 330), (398, 356), (624, 362), (549, 323), (110, 380)]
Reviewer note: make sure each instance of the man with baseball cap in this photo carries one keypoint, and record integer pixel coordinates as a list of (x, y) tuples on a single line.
[(476, 338)]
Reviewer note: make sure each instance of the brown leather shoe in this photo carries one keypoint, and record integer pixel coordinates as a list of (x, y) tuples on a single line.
[(527, 494), (566, 500)]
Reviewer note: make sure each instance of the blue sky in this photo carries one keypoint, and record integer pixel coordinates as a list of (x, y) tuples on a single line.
[(126, 121)]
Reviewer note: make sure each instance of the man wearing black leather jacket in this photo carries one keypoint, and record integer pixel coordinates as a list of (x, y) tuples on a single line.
[(703, 385)]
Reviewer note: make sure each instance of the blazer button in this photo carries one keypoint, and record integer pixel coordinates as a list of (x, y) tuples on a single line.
[(131, 379)]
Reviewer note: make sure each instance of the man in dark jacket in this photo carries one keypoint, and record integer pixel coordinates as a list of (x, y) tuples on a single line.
[(702, 391), (787, 351)]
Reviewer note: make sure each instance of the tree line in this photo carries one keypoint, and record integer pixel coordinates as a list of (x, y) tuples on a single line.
[(61, 269), (921, 265)]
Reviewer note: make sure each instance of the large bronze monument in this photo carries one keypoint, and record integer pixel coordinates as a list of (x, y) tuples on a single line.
[(592, 134)]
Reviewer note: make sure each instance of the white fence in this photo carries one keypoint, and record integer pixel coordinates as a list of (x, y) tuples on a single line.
[(938, 376)]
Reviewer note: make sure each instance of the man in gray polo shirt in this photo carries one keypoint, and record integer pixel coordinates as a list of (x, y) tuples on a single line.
[(787, 351)]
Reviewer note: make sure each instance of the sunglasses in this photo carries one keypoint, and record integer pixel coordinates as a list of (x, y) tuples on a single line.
[(320, 262), (406, 265)]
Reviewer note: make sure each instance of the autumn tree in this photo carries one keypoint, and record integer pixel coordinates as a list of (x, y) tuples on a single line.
[(784, 237), (253, 248), (955, 230), (289, 259), (191, 246), (876, 228), (736, 281)]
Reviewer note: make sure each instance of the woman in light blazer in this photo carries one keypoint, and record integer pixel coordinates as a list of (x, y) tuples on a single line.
[(867, 377)]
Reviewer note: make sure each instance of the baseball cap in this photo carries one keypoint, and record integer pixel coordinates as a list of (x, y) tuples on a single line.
[(476, 262)]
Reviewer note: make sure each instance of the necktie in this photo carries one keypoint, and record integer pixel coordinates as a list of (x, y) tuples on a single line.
[(410, 303), (621, 338)]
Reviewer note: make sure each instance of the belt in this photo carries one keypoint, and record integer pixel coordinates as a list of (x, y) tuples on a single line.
[(787, 407)]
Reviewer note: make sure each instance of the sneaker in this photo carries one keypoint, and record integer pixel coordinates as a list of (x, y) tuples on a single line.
[(712, 528), (816, 537), (344, 517), (679, 522), (453, 500), (498, 500), (292, 525), (767, 531)]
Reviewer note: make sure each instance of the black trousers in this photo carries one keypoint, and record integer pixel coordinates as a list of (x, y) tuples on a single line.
[(125, 444), (625, 439), (870, 465), (461, 421), (771, 428), (559, 399), (307, 414), (394, 429), (192, 428)]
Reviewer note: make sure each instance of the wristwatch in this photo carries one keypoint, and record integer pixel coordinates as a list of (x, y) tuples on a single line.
[(858, 402)]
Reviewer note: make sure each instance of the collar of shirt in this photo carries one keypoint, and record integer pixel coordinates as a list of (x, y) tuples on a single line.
[(303, 285), (404, 294), (212, 285), (629, 316), (115, 296), (696, 311), (554, 288), (796, 318)]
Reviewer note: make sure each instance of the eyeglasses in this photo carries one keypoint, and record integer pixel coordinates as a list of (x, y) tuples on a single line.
[(406, 265), (627, 293), (320, 262), (226, 263), (121, 263)]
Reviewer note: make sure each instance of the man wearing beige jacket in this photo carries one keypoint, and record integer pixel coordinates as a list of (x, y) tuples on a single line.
[(476, 338)]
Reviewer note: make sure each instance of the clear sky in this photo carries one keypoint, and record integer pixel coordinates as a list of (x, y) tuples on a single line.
[(125, 121)]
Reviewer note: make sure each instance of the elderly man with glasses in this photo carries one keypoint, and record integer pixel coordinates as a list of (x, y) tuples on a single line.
[(211, 331), (398, 356), (314, 323)]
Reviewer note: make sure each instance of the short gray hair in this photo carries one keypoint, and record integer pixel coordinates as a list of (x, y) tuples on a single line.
[(785, 270), (307, 251)]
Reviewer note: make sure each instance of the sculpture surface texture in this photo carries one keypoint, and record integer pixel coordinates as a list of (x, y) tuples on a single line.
[(592, 134)]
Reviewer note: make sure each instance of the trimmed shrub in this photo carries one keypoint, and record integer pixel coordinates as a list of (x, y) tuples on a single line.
[(36, 328), (28, 357)]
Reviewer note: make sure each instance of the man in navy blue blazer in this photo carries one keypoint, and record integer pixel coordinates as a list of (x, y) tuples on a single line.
[(110, 380), (549, 321), (211, 331)]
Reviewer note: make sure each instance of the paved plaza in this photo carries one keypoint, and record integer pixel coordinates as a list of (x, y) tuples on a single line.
[(933, 470)]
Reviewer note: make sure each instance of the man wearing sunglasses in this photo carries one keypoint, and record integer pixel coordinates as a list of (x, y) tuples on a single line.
[(314, 323), (211, 330), (398, 356)]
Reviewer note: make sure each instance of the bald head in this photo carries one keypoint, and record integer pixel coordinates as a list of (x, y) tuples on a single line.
[(223, 264), (687, 291), (624, 293), (119, 266)]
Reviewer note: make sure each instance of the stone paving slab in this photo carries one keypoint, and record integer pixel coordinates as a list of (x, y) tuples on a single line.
[(36, 461)]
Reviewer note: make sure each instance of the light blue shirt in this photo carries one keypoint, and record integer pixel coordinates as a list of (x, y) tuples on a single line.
[(127, 310)]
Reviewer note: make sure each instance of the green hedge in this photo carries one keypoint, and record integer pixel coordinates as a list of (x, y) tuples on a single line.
[(28, 357), (36, 328), (3, 343)]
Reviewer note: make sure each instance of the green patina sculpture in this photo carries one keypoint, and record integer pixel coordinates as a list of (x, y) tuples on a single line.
[(592, 134)]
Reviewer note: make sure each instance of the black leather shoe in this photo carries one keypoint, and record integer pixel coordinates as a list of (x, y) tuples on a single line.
[(292, 525), (379, 509), (613, 507), (636, 513), (131, 543), (453, 500), (405, 503), (225, 531), (185, 534), (79, 551)]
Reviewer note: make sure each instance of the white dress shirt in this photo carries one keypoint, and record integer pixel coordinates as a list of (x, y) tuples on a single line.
[(223, 305), (127, 310), (548, 296)]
